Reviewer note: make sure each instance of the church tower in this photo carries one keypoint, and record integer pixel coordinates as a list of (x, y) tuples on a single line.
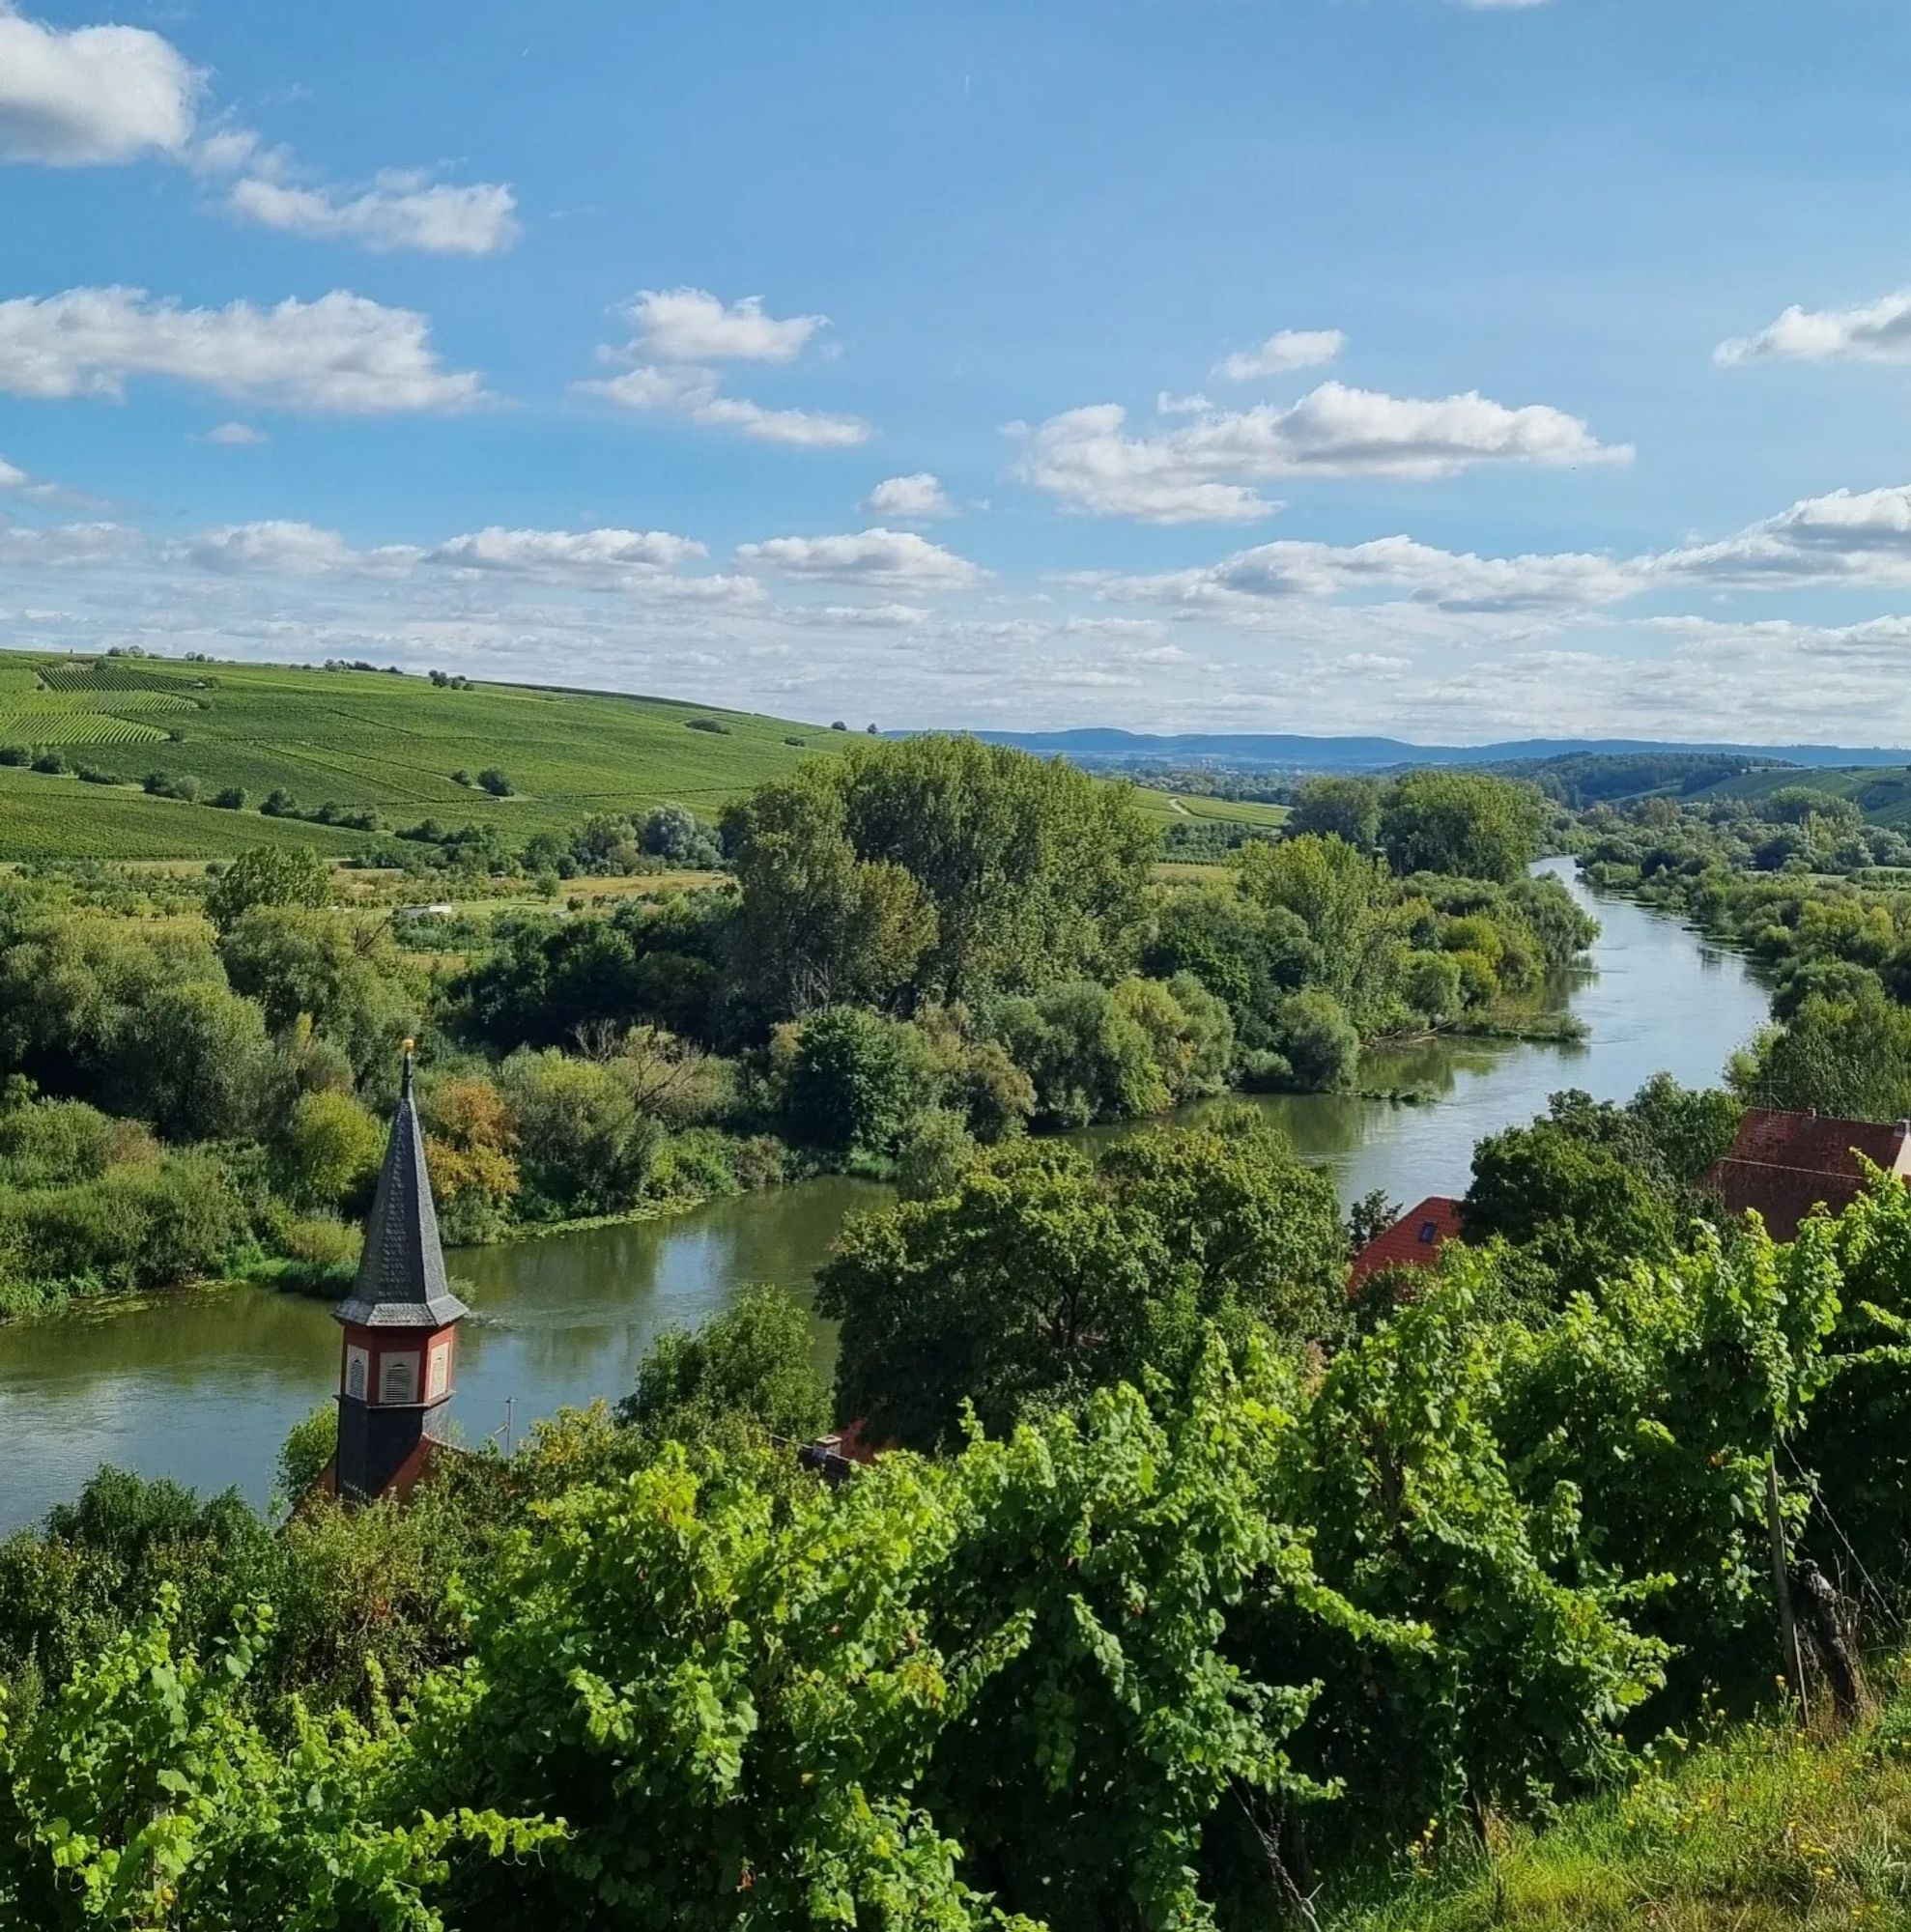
[(398, 1362)]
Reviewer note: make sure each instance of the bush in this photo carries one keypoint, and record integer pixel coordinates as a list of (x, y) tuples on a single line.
[(937, 1150), (331, 1152), (318, 1256), (694, 1164), (15, 755), (749, 1366), (852, 1081), (1318, 1041), (133, 1228), (278, 802), (231, 798), (584, 1146), (715, 725), (493, 781), (1089, 1058), (92, 775), (50, 761)]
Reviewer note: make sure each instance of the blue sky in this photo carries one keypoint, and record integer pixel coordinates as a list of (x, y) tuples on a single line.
[(1451, 370)]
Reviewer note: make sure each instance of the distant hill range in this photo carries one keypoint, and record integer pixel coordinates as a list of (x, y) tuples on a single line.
[(1291, 753)]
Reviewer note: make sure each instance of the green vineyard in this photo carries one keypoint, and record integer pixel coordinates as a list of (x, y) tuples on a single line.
[(397, 745)]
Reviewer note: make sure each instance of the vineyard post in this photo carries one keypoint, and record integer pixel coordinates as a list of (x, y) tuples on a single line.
[(1794, 1660)]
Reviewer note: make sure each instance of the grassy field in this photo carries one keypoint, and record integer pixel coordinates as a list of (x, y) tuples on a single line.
[(1168, 806), (356, 739), (1763, 1831), (1882, 791)]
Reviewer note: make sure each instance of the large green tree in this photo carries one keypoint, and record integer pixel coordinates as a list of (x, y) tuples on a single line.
[(935, 868), (1462, 822), (1046, 1271)]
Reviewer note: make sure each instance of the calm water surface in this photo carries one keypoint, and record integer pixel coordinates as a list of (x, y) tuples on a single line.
[(203, 1387)]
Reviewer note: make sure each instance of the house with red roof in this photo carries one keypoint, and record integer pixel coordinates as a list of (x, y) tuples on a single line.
[(1785, 1165), (1414, 1240)]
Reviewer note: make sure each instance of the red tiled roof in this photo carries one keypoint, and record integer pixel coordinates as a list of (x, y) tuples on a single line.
[(1412, 1242), (1814, 1141), (1785, 1165)]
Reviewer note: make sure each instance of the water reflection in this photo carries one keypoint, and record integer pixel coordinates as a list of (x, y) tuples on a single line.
[(203, 1387)]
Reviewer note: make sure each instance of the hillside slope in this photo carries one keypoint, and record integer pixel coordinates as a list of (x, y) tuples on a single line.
[(356, 739), (1883, 792), (1764, 1830)]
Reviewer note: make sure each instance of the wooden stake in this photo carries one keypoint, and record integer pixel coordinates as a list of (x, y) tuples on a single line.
[(1794, 1660)]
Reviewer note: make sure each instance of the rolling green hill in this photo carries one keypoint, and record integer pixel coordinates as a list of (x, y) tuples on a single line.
[(1882, 791), (372, 739), (353, 738)]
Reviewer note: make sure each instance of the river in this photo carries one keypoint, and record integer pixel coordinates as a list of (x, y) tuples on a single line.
[(204, 1386)]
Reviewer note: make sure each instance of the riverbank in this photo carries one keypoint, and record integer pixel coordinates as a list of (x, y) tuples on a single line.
[(204, 1386)]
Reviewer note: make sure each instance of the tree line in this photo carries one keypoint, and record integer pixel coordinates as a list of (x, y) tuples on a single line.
[(919, 950)]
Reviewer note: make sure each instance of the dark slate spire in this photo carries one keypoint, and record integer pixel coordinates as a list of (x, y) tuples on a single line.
[(401, 1275)]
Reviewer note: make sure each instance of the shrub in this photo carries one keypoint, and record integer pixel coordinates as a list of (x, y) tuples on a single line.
[(584, 1146), (749, 1365), (694, 1164), (278, 802), (493, 781), (50, 759), (135, 1228), (715, 725), (852, 1081), (332, 1151), (1319, 1042), (317, 1256), (15, 755), (231, 798), (92, 775)]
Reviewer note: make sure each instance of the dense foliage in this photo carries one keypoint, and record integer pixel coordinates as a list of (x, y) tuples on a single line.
[(1150, 1656)]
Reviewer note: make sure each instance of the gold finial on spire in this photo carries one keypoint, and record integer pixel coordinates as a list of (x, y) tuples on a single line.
[(405, 1077)]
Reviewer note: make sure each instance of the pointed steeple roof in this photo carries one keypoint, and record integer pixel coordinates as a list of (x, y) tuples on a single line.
[(401, 1274)]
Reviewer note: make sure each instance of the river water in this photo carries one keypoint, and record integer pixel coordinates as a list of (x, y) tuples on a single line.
[(204, 1386)]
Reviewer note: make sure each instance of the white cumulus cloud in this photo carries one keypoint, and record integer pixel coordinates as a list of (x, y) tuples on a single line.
[(1851, 536), (1878, 331), (1396, 566), (1285, 351), (897, 558), (401, 209), (675, 332), (540, 551), (918, 499), (695, 394), (1206, 469), (694, 325), (278, 548), (342, 353), (236, 436), (92, 94), (70, 542), (874, 616)]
